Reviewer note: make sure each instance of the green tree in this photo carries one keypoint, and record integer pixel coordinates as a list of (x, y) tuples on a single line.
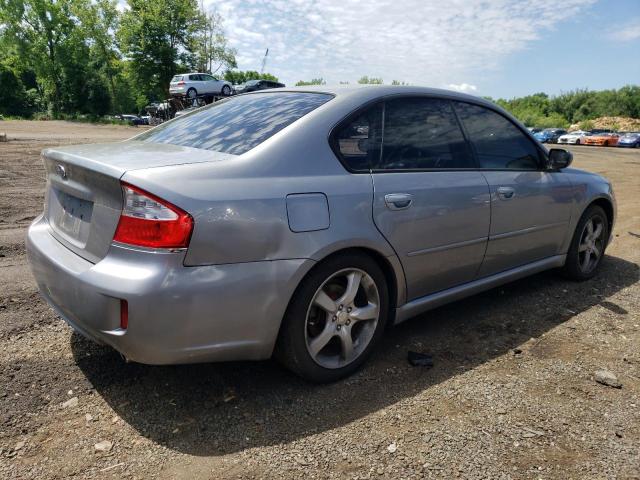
[(313, 81), (210, 45), (237, 76), (41, 30), (157, 39), (370, 81)]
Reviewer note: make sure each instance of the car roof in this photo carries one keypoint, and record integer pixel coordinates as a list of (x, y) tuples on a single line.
[(371, 92)]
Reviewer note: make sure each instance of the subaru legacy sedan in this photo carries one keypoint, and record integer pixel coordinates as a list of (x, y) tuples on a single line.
[(299, 223)]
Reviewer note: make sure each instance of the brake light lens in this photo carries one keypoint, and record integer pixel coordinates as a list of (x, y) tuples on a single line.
[(149, 221), (181, 82)]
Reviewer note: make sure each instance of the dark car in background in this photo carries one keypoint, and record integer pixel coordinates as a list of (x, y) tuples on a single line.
[(549, 135), (255, 85), (630, 140), (133, 119)]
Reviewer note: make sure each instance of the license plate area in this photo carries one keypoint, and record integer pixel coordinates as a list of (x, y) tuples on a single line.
[(70, 216)]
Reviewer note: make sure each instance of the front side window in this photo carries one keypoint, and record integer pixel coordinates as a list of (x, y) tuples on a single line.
[(357, 140), (422, 133), (498, 142), (238, 124)]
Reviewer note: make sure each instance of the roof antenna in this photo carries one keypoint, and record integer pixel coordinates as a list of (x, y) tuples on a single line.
[(264, 61)]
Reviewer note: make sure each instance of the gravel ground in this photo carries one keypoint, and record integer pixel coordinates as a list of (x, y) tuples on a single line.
[(512, 393)]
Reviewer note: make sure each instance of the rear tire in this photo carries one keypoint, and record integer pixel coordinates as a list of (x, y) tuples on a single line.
[(226, 90), (329, 329), (587, 245), (192, 93)]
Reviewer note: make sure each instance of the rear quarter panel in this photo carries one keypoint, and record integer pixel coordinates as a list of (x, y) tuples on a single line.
[(239, 204)]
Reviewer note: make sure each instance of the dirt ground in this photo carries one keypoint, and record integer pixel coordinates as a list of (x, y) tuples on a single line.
[(512, 393)]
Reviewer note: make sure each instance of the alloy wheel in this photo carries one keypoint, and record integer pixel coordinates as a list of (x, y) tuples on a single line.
[(342, 318), (591, 244)]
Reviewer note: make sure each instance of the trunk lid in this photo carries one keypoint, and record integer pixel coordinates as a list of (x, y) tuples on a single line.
[(83, 197)]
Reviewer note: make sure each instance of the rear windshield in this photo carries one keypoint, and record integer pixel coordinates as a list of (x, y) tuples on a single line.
[(176, 78), (236, 125)]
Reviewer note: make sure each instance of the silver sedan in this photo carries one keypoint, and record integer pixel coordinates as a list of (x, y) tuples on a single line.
[(299, 223)]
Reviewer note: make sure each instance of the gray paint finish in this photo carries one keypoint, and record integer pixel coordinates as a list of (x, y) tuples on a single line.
[(263, 219), (308, 212)]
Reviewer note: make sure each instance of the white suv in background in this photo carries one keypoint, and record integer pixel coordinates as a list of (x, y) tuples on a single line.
[(193, 84)]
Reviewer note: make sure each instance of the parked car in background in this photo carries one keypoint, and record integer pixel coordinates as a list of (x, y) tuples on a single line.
[(207, 239), (191, 85), (549, 135), (254, 85), (132, 119), (601, 139), (573, 137), (534, 129), (630, 140)]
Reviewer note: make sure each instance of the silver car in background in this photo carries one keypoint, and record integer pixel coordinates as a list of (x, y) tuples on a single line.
[(302, 222), (573, 138), (191, 85)]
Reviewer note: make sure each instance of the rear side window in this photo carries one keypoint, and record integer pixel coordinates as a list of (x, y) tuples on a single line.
[(498, 142), (238, 124), (423, 133), (357, 141)]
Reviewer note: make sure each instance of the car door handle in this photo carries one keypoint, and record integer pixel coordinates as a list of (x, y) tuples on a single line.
[(506, 193), (398, 201)]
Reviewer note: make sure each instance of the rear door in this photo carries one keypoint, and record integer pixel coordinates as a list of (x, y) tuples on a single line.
[(530, 206), (430, 202), (210, 84)]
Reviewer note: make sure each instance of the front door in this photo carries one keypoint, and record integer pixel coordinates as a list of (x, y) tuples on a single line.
[(429, 201), (530, 206)]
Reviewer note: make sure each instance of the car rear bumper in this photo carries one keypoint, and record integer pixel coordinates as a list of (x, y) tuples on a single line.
[(177, 314)]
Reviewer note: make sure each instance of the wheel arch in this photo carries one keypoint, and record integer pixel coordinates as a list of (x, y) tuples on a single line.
[(390, 266), (607, 205)]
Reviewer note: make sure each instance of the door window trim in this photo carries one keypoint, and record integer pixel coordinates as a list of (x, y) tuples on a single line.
[(333, 133), (543, 157), (542, 160)]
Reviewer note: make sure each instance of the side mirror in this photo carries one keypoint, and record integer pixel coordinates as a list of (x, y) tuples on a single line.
[(559, 158)]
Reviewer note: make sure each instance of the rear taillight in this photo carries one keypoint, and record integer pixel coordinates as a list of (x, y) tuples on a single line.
[(149, 221), (181, 82)]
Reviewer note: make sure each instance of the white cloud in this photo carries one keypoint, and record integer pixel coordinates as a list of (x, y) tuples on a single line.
[(422, 42), (627, 33), (462, 87)]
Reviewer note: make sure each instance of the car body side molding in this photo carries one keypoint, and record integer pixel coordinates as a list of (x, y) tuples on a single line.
[(433, 300)]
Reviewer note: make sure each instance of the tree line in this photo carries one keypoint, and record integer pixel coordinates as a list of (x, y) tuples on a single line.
[(62, 58), (574, 107), (67, 57), (542, 110)]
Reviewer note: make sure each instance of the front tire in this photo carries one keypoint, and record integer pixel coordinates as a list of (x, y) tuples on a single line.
[(587, 245), (336, 318)]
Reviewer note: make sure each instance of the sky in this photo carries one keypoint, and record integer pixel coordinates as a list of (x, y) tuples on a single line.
[(497, 48)]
